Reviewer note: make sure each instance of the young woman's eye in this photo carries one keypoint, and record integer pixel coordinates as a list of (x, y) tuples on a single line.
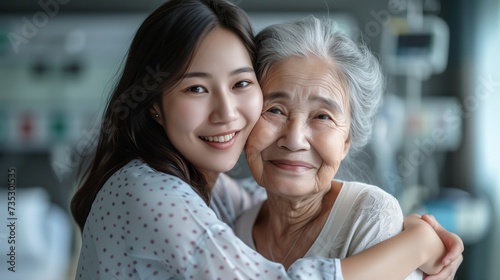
[(196, 89), (241, 84)]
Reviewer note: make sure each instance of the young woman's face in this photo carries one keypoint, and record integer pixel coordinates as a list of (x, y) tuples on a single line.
[(210, 113), (302, 136)]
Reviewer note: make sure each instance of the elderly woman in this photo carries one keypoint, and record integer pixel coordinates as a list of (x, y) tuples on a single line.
[(320, 93)]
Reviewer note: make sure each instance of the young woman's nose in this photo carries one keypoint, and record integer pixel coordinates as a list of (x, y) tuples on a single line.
[(294, 136), (225, 107)]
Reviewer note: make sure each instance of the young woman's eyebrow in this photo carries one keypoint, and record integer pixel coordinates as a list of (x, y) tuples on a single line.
[(242, 70), (207, 75)]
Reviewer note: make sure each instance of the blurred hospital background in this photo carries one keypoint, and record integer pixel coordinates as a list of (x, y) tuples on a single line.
[(435, 144)]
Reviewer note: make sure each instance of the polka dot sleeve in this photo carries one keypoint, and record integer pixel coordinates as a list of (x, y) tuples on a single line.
[(231, 197), (148, 225)]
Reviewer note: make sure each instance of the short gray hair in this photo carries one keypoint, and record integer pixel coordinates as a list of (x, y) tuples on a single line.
[(324, 39)]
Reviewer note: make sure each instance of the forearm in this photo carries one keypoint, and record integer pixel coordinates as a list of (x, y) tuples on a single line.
[(418, 246)]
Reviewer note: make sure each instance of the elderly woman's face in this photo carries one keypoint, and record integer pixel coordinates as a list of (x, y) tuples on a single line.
[(302, 135)]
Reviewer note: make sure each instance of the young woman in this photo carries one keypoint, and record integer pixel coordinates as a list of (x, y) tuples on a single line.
[(179, 115)]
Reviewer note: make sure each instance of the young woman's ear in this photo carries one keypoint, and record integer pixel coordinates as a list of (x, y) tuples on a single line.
[(156, 114)]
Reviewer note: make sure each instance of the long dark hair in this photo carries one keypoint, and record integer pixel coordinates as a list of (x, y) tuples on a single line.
[(159, 55)]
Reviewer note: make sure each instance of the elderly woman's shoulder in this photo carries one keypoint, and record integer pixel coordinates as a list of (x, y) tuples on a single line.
[(365, 188), (371, 196)]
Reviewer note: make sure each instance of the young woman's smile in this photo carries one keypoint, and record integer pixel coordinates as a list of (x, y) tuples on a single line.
[(221, 142), (210, 113)]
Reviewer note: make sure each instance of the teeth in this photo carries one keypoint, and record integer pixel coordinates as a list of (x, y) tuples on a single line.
[(223, 138)]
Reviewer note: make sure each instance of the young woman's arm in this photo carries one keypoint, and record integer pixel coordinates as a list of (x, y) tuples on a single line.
[(454, 246), (417, 246), (170, 232), (451, 241)]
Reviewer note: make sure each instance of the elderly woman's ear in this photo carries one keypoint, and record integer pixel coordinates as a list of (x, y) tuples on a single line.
[(347, 146)]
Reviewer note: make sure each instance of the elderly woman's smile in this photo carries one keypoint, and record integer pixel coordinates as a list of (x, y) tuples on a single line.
[(303, 133), (292, 165)]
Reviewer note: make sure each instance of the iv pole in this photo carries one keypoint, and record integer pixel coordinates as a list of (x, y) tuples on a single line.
[(413, 104)]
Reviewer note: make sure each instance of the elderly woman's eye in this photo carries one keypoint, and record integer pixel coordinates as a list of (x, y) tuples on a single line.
[(323, 117), (241, 84), (196, 89), (274, 111)]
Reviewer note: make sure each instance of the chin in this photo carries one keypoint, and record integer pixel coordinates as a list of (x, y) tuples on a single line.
[(224, 165)]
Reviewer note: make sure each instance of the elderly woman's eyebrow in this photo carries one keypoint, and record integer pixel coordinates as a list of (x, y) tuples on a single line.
[(276, 95), (329, 102)]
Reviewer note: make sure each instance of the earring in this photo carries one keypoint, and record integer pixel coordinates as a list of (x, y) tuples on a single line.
[(156, 115)]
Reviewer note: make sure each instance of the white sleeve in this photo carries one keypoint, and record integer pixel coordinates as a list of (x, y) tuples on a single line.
[(379, 217)]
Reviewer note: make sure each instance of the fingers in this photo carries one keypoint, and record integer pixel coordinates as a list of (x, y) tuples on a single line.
[(454, 245), (429, 219), (455, 248), (448, 272)]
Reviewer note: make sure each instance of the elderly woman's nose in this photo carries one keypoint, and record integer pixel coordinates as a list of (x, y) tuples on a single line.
[(294, 136), (224, 107)]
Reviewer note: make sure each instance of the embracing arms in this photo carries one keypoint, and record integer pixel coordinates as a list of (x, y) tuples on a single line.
[(422, 244)]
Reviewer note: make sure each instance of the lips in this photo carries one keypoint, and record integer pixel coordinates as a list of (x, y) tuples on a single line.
[(219, 139), (221, 142), (291, 165)]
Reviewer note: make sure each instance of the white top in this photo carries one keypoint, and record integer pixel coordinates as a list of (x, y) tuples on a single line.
[(145, 224), (362, 216)]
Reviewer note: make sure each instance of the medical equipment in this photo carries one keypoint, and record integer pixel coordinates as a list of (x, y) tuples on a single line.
[(416, 49)]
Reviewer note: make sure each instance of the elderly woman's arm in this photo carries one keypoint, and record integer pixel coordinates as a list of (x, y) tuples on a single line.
[(417, 246)]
